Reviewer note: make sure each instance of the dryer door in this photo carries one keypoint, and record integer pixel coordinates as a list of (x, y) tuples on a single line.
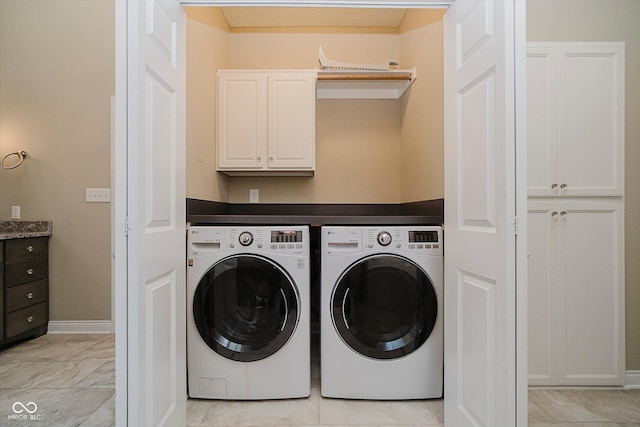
[(384, 306), (246, 307)]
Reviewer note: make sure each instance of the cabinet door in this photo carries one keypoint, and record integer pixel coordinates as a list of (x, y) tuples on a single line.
[(291, 120), (591, 295), (242, 120), (542, 231), (575, 115), (591, 120)]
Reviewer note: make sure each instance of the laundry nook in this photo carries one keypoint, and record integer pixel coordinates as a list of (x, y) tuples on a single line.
[(319, 213)]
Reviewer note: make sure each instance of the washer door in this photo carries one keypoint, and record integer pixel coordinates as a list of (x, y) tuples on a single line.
[(384, 306), (246, 307)]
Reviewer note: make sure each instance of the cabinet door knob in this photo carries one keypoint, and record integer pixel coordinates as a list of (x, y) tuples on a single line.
[(259, 159), (30, 271), (563, 214), (30, 248), (554, 186), (563, 186), (30, 319), (554, 214), (30, 295)]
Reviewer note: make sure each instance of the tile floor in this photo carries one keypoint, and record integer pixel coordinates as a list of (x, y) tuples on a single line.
[(71, 379)]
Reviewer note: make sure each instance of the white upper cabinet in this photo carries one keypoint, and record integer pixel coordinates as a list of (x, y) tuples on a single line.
[(266, 122), (575, 119)]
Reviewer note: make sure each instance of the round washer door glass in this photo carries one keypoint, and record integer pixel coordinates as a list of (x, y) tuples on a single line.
[(246, 308), (384, 306)]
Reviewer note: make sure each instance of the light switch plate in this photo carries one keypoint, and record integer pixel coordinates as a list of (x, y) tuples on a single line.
[(98, 195)]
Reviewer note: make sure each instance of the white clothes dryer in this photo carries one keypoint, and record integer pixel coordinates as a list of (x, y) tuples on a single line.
[(381, 320), (248, 305)]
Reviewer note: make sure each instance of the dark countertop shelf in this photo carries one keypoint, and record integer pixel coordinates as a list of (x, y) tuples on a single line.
[(314, 220), (430, 212)]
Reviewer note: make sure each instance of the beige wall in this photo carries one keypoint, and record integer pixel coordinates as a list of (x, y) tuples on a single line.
[(422, 156), (56, 82), (207, 50), (357, 142), (363, 153), (611, 20)]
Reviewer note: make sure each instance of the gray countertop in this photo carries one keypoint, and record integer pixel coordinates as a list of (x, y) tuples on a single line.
[(17, 229)]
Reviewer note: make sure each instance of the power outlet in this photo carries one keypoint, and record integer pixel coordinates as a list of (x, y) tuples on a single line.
[(254, 195), (98, 195)]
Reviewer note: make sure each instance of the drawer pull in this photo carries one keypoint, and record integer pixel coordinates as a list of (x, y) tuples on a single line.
[(30, 271), (30, 295), (30, 248), (30, 319)]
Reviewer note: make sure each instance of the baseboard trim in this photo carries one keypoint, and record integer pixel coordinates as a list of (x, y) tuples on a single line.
[(632, 379), (80, 327)]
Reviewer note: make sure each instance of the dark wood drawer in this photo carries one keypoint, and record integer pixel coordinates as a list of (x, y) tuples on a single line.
[(23, 320), (23, 296), (30, 270), (17, 249)]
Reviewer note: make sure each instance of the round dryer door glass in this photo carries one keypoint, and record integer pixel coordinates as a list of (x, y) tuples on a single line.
[(384, 306), (246, 308)]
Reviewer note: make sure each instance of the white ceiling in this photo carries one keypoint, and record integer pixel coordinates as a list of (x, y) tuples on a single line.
[(261, 17)]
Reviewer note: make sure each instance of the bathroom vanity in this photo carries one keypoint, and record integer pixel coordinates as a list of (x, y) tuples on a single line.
[(24, 279)]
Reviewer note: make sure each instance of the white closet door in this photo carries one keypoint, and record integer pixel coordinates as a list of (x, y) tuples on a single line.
[(151, 64), (481, 387)]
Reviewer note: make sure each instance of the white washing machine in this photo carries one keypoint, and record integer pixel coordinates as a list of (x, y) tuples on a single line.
[(381, 333), (248, 304)]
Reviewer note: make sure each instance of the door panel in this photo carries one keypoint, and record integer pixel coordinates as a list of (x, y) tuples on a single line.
[(156, 69), (480, 208)]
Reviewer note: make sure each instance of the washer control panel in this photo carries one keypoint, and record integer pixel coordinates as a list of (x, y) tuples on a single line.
[(284, 240)]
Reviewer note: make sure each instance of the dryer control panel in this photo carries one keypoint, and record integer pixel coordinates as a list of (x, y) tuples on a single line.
[(419, 239), (341, 241)]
